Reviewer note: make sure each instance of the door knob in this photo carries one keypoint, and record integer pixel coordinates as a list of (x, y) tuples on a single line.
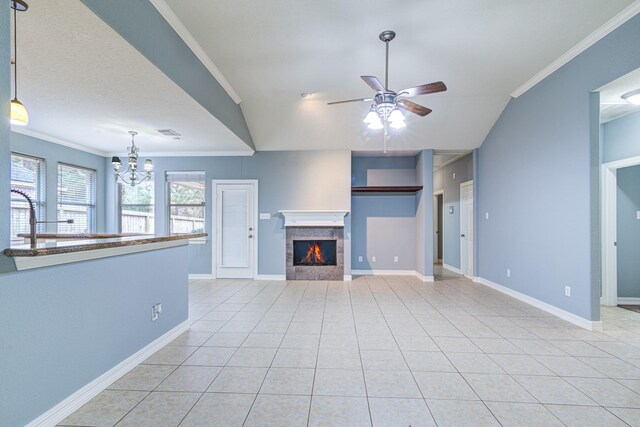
[(462, 235), (250, 236)]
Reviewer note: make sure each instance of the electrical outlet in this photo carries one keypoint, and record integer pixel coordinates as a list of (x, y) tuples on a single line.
[(567, 291), (373, 259), (454, 175), (395, 259), (508, 272), (360, 258), (155, 312)]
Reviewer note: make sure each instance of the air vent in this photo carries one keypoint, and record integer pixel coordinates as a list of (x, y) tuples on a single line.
[(169, 132)]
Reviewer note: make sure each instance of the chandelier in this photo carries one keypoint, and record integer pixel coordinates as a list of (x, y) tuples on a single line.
[(132, 175)]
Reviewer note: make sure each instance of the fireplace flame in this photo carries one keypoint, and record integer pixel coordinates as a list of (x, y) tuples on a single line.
[(314, 255)]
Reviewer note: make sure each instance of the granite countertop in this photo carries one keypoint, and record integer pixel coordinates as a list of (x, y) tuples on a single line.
[(87, 244), (78, 236)]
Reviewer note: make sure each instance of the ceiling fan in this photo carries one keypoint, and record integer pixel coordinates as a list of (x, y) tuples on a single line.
[(388, 105)]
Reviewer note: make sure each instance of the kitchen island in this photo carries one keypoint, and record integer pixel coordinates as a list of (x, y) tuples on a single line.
[(75, 315)]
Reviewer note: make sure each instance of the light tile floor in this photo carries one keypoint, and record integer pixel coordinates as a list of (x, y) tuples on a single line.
[(387, 351)]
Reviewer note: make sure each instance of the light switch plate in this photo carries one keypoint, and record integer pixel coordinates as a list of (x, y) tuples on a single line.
[(486, 215), (450, 209), (265, 216), (638, 215)]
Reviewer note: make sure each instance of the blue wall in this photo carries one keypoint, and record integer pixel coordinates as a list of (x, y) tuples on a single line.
[(539, 181), (424, 214), (463, 170), (144, 28), (309, 180), (66, 325), (383, 226), (5, 98), (628, 232), (621, 138), (54, 153)]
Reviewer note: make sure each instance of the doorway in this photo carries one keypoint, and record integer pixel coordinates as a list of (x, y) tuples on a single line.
[(236, 234), (466, 228), (438, 214), (610, 233)]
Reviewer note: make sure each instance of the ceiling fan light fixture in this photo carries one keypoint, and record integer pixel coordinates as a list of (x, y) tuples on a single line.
[(398, 124), (372, 116), (632, 97), (396, 115), (19, 115), (376, 125)]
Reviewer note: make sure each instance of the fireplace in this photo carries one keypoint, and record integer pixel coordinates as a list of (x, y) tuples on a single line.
[(314, 252), (314, 245)]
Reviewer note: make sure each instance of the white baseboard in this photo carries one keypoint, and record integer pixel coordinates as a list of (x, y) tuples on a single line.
[(201, 276), (628, 301), (347, 278), (73, 402), (563, 314), (452, 268), (424, 278), (270, 277), (392, 273)]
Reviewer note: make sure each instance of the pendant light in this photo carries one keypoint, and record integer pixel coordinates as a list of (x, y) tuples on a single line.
[(19, 115)]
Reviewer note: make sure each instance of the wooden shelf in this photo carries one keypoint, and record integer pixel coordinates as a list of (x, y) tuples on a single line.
[(386, 189)]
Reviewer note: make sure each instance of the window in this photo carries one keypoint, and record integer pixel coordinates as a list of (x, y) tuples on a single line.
[(76, 199), (136, 208), (27, 174), (186, 194)]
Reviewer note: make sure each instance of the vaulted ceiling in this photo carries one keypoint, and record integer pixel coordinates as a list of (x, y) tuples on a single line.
[(84, 84), (272, 51)]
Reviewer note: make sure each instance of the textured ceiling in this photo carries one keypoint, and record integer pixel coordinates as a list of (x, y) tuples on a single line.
[(84, 84), (271, 51)]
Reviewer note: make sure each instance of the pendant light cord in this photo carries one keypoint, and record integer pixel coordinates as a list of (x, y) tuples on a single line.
[(15, 53)]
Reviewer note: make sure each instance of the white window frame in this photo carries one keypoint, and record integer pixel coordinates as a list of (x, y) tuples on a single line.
[(196, 240), (121, 186), (41, 190), (92, 210)]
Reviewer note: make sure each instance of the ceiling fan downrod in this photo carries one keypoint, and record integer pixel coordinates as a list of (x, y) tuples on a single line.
[(386, 37)]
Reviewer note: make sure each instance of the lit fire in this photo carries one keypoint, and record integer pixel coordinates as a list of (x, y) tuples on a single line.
[(314, 255)]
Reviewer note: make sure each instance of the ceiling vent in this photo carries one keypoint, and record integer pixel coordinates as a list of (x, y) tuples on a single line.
[(169, 132)]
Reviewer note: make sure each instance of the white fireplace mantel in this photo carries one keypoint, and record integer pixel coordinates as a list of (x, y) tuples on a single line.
[(308, 218)]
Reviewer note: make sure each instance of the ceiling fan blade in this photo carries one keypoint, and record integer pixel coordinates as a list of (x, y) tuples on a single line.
[(434, 87), (415, 108), (349, 100), (373, 83)]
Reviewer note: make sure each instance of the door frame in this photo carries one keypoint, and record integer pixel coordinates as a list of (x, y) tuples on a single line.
[(214, 221), (435, 223), (609, 227), (473, 207)]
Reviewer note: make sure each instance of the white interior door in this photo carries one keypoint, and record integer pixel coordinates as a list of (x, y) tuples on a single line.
[(466, 228), (235, 230)]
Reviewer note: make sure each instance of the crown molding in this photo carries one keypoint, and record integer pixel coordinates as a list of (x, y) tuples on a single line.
[(622, 17), (187, 153), (172, 19), (28, 132)]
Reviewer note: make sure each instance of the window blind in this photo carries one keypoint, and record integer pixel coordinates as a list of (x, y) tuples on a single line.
[(28, 175), (186, 196), (76, 199)]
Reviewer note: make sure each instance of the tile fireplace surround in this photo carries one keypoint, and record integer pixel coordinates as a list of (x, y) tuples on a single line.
[(315, 225)]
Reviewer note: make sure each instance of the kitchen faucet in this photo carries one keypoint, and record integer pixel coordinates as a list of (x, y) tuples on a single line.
[(32, 218)]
